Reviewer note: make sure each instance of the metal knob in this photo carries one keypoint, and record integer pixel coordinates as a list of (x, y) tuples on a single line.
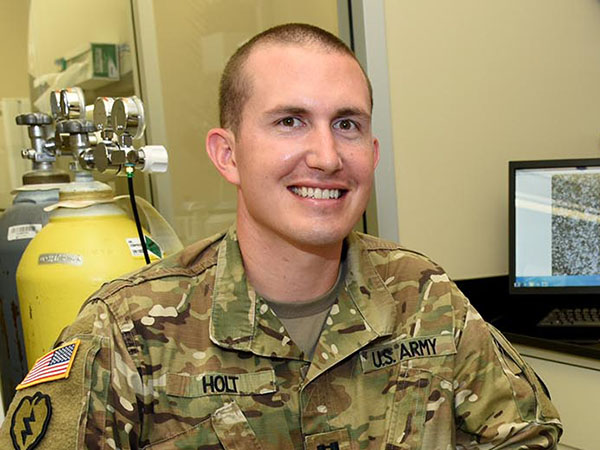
[(75, 126), (86, 159), (41, 151), (34, 119), (128, 117)]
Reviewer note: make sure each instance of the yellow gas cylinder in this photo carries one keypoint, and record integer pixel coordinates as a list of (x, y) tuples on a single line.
[(88, 240)]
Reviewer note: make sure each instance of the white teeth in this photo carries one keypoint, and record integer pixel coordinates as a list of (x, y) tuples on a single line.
[(316, 193)]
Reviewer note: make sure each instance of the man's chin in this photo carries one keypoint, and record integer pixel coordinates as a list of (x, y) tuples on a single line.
[(318, 238)]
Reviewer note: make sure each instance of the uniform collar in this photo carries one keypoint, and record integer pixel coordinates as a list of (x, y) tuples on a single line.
[(241, 320)]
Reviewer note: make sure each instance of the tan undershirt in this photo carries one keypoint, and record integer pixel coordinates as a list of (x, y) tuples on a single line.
[(304, 320)]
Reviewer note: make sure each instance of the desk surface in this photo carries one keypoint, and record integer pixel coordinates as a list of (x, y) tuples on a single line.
[(515, 318), (587, 356)]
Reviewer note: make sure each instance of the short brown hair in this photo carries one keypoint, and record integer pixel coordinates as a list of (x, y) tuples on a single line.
[(235, 87)]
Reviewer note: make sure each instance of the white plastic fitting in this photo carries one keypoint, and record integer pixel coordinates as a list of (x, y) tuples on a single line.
[(156, 159)]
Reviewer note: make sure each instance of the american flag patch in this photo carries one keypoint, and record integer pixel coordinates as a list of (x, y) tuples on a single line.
[(54, 365)]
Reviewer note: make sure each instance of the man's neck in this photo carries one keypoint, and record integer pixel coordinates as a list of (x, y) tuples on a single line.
[(281, 271)]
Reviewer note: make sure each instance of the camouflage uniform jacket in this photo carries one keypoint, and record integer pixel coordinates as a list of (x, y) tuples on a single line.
[(184, 354)]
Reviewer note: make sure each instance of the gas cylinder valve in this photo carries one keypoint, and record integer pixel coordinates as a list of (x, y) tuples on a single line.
[(75, 136), (43, 150)]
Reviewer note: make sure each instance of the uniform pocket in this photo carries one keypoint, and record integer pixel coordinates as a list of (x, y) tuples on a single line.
[(206, 410), (226, 428), (200, 435), (233, 429), (409, 408)]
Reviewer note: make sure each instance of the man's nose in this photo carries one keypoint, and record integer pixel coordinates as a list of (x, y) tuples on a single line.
[(323, 150)]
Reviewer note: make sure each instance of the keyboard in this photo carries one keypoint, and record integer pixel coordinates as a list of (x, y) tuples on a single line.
[(572, 318)]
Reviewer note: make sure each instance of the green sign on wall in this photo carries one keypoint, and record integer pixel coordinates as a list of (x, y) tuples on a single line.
[(106, 61)]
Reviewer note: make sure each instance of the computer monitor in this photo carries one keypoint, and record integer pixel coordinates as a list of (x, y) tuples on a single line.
[(554, 227)]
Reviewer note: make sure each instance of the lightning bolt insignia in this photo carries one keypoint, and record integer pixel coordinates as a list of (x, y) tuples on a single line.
[(27, 431), (30, 420)]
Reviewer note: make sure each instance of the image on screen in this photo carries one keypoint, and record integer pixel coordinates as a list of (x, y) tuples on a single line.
[(557, 227)]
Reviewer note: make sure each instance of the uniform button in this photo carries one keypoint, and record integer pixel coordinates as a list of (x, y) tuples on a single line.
[(304, 370)]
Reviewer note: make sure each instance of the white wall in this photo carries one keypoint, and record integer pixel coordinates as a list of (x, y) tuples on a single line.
[(474, 84), (14, 93), (58, 28)]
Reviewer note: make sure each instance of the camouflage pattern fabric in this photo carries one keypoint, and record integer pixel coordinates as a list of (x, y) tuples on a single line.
[(185, 354)]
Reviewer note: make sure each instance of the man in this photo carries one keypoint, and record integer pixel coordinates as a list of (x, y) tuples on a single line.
[(289, 331)]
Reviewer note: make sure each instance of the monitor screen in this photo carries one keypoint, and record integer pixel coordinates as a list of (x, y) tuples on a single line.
[(555, 226)]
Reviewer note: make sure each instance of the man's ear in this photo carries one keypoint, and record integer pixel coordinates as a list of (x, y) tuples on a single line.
[(375, 152), (220, 145)]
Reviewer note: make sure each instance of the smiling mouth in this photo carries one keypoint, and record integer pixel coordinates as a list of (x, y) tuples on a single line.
[(317, 193)]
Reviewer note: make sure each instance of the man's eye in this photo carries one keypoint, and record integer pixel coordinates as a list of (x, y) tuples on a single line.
[(345, 124), (290, 122)]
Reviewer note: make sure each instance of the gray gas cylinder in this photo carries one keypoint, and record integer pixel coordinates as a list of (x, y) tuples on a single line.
[(18, 225)]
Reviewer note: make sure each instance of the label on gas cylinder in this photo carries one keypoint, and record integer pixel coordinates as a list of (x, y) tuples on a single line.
[(136, 248), (23, 231), (60, 258)]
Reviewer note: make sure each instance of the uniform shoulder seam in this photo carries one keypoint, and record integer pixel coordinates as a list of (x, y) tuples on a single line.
[(373, 243), (112, 287), (203, 261)]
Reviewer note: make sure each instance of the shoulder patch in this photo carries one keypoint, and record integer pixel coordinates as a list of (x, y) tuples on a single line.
[(30, 421), (54, 365)]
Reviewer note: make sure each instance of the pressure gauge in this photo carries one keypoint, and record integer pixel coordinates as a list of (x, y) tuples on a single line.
[(103, 112), (128, 117), (72, 103), (55, 105)]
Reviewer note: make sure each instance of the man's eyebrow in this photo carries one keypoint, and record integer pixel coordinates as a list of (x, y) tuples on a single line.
[(300, 111), (287, 110), (353, 112)]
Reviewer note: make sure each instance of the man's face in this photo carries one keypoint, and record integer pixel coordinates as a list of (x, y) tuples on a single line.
[(304, 151)]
